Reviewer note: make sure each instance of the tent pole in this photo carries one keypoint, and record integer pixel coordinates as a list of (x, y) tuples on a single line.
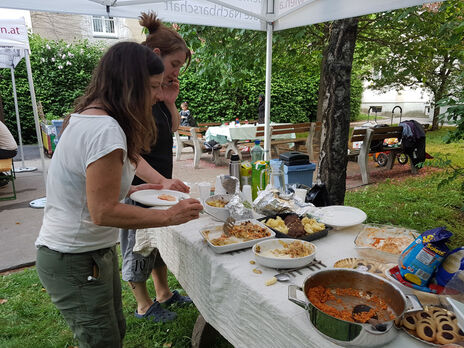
[(36, 115), (267, 96), (18, 123), (15, 97)]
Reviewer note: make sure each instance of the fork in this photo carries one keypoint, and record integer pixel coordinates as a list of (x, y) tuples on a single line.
[(228, 223)]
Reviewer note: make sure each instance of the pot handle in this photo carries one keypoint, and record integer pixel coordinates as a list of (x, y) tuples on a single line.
[(413, 303), (292, 295)]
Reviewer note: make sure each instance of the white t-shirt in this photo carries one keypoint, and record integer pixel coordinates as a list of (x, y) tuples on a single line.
[(7, 141), (67, 226)]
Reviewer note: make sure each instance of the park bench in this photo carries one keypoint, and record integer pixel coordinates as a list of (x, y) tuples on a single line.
[(377, 135), (289, 131), (193, 137)]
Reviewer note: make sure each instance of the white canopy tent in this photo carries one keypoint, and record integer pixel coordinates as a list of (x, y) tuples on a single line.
[(265, 15), (14, 46)]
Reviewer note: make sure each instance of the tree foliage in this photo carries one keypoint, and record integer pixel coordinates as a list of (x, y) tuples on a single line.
[(417, 46), (61, 71)]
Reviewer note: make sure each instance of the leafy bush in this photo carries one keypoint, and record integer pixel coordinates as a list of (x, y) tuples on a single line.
[(291, 100), (61, 71)]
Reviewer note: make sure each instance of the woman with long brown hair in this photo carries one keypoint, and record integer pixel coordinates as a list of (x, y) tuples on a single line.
[(172, 49), (90, 173)]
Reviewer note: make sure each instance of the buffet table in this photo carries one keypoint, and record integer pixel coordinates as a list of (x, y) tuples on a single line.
[(235, 300)]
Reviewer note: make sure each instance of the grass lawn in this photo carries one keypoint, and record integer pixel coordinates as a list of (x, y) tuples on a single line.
[(28, 319)]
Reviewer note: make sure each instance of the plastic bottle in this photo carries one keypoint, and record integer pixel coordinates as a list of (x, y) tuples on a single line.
[(257, 152), (234, 166)]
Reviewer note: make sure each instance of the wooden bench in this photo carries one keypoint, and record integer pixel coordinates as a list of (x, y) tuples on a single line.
[(291, 130), (195, 139), (367, 136)]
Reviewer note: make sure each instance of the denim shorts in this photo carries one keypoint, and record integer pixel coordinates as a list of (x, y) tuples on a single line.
[(135, 267), (86, 289)]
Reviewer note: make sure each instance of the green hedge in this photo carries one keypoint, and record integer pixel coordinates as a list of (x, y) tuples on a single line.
[(60, 72), (291, 100)]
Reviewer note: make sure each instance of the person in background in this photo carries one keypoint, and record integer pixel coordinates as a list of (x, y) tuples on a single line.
[(77, 261), (8, 146), (136, 269), (186, 118), (261, 109)]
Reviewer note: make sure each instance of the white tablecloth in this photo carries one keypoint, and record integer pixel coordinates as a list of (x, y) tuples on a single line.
[(224, 134), (235, 300)]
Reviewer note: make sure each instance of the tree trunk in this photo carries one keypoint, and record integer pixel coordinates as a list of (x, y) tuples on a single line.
[(334, 107)]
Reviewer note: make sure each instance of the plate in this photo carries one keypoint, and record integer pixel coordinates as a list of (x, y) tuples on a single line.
[(215, 231), (341, 216), (265, 258), (150, 197)]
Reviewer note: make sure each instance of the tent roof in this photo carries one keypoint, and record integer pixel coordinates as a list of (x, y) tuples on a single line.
[(246, 14), (13, 41)]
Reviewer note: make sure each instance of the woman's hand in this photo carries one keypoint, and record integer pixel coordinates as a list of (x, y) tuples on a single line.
[(170, 91), (134, 188), (175, 184), (184, 211)]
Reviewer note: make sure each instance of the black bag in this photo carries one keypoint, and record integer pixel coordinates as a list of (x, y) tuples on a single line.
[(318, 195)]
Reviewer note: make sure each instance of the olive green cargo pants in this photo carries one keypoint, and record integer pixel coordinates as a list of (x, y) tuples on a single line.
[(86, 288)]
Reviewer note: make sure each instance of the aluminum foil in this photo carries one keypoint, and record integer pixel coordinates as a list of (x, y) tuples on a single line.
[(272, 202), (238, 210)]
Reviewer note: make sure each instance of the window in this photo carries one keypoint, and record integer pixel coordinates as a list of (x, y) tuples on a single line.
[(103, 26)]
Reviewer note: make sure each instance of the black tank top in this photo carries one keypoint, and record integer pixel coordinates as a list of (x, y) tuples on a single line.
[(160, 156)]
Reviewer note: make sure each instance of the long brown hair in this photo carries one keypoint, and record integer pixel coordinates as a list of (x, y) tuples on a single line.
[(160, 36), (121, 84)]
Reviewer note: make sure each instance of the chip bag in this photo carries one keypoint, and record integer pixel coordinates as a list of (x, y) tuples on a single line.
[(421, 258)]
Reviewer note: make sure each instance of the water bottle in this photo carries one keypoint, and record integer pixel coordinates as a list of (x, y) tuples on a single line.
[(257, 152), (234, 166)]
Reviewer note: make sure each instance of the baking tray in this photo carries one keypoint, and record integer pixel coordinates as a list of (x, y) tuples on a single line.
[(365, 238), (216, 230), (306, 237)]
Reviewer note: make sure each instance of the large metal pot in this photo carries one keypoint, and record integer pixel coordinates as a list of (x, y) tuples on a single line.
[(346, 333)]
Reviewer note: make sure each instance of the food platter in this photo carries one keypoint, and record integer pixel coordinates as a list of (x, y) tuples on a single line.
[(211, 234), (274, 253), (313, 232), (366, 265), (383, 242), (152, 197), (433, 320), (341, 216)]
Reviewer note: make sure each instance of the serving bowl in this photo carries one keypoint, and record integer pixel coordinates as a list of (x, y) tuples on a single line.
[(263, 255), (219, 213)]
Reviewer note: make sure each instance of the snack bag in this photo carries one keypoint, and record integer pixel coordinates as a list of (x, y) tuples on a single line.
[(453, 263), (421, 258)]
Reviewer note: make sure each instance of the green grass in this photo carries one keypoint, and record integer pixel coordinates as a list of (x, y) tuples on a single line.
[(419, 202), (29, 319)]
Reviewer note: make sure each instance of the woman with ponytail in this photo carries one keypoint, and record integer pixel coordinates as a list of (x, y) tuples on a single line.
[(136, 269)]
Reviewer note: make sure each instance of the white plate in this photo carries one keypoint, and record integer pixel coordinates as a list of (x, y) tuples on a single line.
[(341, 216), (150, 197), (272, 261), (215, 231)]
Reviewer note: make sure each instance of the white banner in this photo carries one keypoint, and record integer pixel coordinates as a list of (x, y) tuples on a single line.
[(13, 41)]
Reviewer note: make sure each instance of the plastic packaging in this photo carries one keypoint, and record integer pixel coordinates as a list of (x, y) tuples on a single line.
[(234, 166), (259, 177), (277, 178), (257, 152)]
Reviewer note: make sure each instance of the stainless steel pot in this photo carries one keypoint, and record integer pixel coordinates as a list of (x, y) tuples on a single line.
[(346, 333)]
